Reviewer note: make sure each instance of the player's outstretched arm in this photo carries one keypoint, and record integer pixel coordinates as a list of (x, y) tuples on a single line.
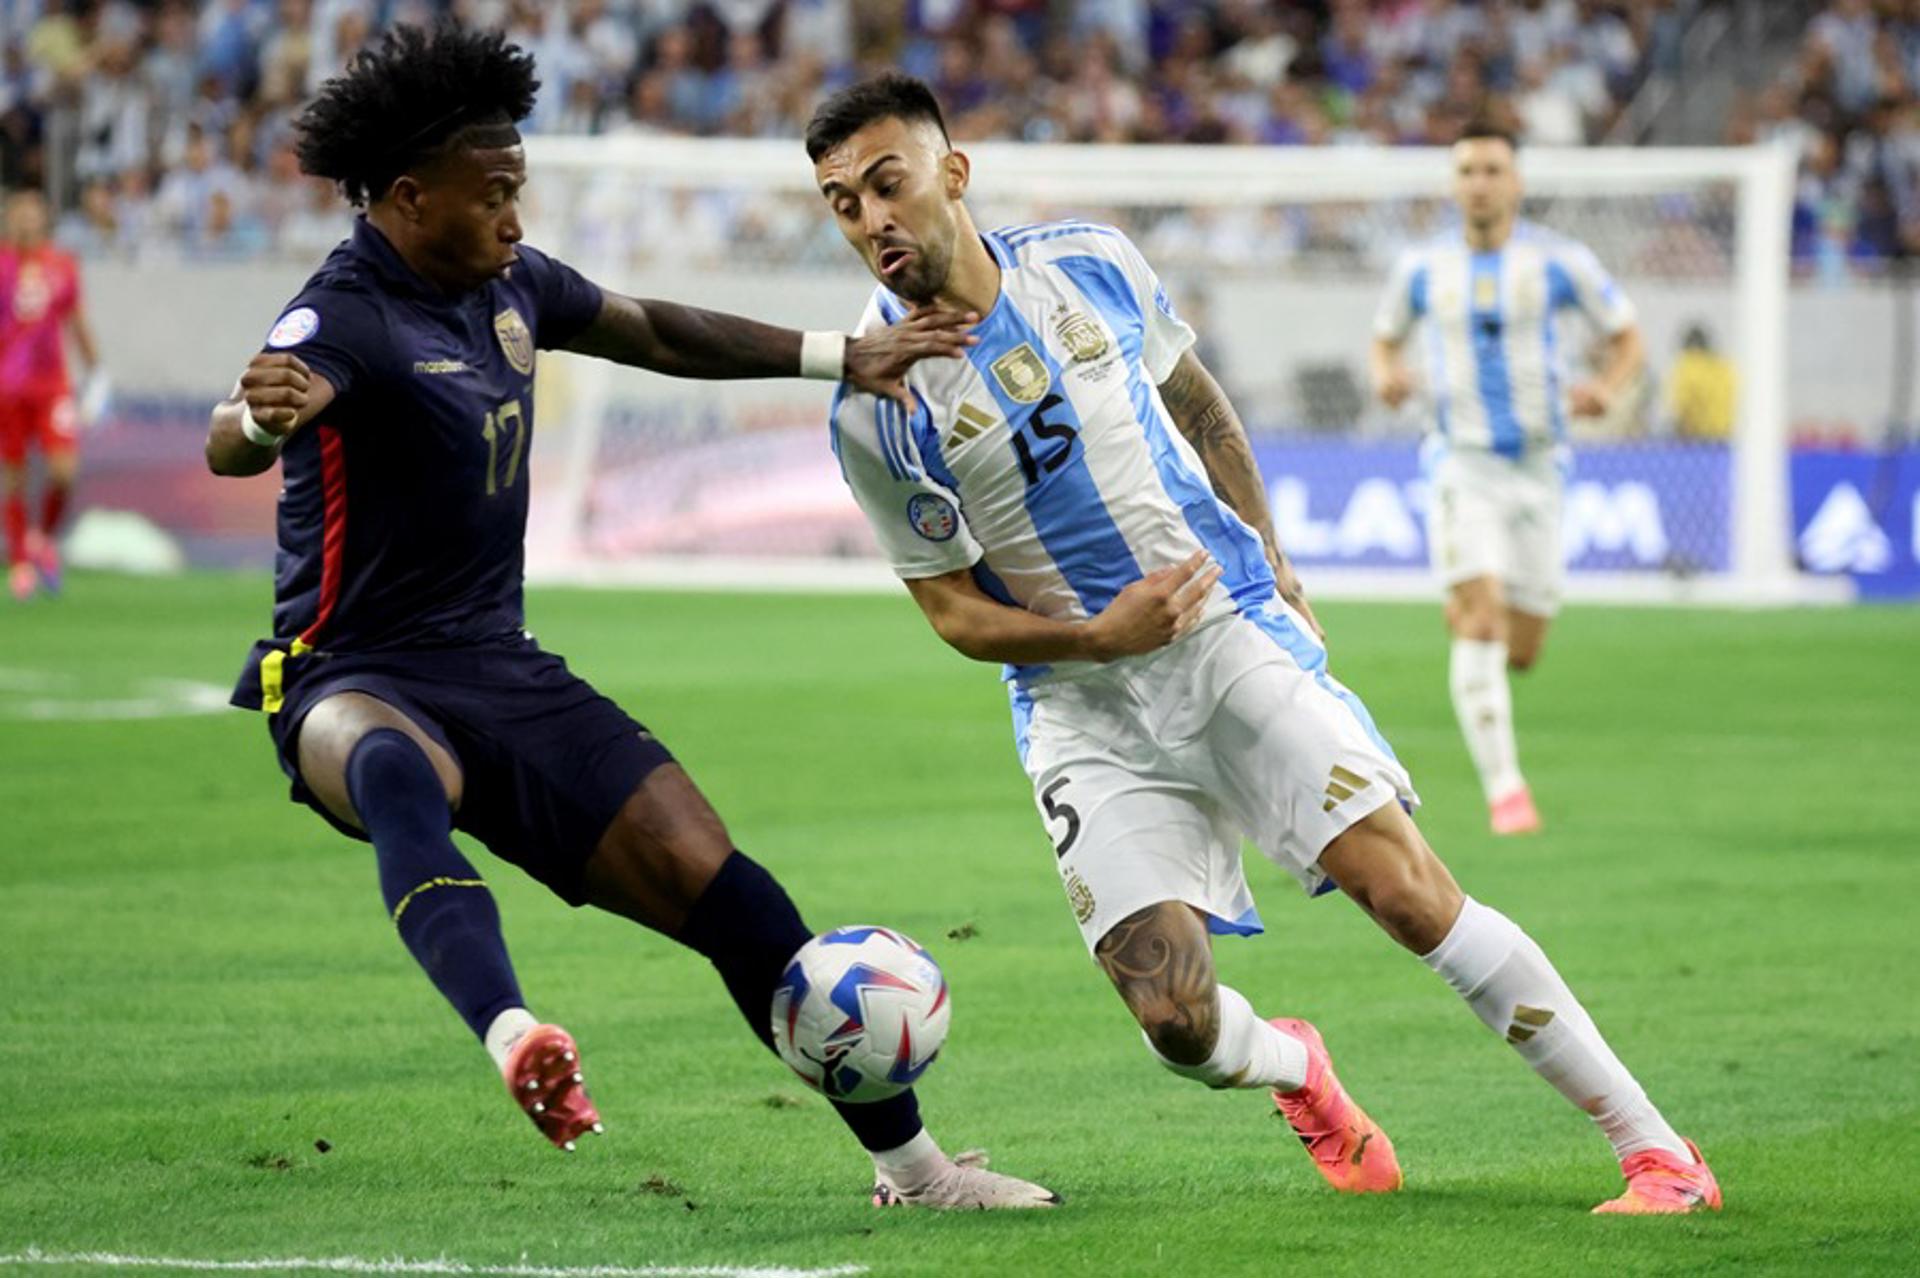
[(1149, 614), (687, 341), (276, 395), (1202, 412), (1626, 353), (82, 334), (1392, 382)]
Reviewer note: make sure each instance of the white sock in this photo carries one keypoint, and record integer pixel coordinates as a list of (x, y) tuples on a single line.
[(910, 1165), (1483, 702), (1510, 984), (505, 1032), (1250, 1053)]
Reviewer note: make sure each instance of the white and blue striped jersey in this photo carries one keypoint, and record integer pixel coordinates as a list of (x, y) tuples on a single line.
[(1045, 460), (1496, 374)]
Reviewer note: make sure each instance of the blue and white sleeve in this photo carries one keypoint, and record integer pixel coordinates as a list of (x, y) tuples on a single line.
[(1594, 291), (1404, 301), (1164, 336), (916, 518)]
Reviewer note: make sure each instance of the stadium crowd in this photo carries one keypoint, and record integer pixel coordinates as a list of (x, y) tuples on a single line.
[(163, 128), (1850, 103)]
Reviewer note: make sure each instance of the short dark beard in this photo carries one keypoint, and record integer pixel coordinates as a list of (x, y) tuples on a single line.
[(922, 282)]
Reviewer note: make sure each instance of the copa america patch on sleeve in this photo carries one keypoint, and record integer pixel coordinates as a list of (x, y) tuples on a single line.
[(295, 327), (933, 516)]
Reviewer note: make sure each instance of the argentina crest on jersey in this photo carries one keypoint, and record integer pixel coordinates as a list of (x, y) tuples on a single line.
[(1085, 340)]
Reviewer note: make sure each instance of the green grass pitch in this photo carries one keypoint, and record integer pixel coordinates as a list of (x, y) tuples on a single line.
[(200, 986)]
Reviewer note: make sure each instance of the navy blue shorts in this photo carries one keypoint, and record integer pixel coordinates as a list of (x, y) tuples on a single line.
[(547, 761)]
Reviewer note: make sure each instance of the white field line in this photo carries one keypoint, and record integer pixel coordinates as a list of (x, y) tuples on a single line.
[(40, 696), (395, 1265)]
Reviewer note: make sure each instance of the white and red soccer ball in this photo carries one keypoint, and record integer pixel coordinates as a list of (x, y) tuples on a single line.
[(860, 1012)]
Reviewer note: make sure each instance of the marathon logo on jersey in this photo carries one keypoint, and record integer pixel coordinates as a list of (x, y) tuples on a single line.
[(1022, 374), (515, 339), (295, 327), (933, 516), (1082, 337)]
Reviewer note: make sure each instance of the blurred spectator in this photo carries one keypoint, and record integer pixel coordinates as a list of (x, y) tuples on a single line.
[(1549, 112), (1702, 388), (185, 202), (1847, 32), (93, 229), (114, 114)]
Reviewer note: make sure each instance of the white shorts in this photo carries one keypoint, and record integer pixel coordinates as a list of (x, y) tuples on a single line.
[(1495, 516), (1148, 771)]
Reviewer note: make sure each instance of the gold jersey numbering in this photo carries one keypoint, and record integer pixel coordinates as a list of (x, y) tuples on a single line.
[(499, 422)]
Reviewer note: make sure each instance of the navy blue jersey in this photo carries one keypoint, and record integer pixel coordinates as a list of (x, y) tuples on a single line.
[(402, 522)]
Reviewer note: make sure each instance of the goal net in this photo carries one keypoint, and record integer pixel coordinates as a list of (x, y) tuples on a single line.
[(1276, 256)]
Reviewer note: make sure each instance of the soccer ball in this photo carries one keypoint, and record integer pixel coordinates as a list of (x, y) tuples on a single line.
[(860, 1013)]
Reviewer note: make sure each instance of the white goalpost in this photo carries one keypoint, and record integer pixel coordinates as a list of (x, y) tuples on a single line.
[(1277, 255)]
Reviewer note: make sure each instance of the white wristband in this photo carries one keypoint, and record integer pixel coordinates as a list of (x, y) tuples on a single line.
[(257, 433), (823, 356)]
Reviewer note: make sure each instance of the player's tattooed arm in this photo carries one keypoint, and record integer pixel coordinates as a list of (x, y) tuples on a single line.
[(688, 341), (1205, 416), (1159, 960)]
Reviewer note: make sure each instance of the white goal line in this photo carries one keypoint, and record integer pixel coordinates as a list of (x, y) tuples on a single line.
[(396, 1265)]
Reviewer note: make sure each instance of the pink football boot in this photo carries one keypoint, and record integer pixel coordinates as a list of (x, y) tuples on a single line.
[(1659, 1184), (1347, 1147), (543, 1073)]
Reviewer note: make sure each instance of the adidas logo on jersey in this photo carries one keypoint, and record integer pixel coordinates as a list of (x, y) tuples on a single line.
[(969, 422), (1343, 786)]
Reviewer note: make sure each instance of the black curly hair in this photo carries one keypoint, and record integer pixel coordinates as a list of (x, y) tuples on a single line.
[(415, 96)]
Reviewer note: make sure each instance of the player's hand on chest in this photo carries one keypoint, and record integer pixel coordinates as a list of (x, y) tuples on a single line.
[(1030, 408)]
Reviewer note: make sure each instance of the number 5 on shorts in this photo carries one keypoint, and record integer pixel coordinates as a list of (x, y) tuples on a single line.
[(1061, 812)]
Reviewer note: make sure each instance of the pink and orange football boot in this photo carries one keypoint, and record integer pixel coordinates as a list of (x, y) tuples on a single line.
[(543, 1073), (1514, 813), (1347, 1147), (1659, 1184)]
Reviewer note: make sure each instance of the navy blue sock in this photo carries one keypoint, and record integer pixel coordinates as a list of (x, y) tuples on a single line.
[(443, 910), (748, 928)]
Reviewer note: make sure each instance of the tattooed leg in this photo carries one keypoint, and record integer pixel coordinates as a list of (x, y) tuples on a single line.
[(1162, 964), (1161, 961)]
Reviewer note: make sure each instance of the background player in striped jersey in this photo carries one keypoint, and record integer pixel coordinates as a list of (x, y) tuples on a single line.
[(1491, 293), (39, 312), (402, 691), (1077, 498)]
